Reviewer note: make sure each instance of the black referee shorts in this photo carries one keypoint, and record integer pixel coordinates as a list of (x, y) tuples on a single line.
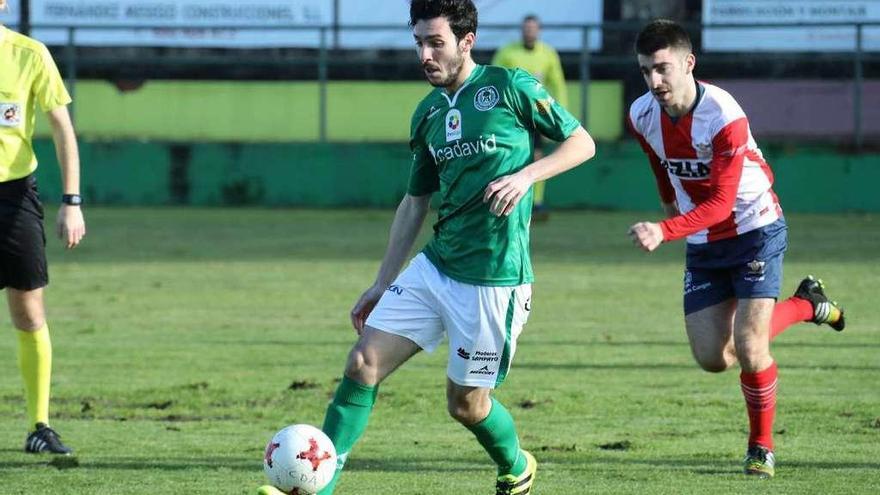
[(22, 238)]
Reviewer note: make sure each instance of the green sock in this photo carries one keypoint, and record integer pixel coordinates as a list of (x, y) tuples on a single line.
[(497, 434), (346, 420)]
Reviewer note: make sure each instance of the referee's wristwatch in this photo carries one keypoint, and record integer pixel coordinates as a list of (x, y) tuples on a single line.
[(71, 199)]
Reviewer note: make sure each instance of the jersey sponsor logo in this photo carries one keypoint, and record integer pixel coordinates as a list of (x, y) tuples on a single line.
[(459, 149), (395, 289), (686, 169), (453, 125), (486, 98), (10, 114), (463, 353)]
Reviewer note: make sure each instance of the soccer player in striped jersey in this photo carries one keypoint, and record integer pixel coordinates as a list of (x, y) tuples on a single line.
[(28, 79), (471, 143), (716, 190)]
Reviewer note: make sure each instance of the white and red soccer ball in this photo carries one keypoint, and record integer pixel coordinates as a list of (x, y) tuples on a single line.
[(300, 460)]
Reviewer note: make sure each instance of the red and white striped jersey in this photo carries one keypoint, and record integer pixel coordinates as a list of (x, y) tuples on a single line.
[(709, 163)]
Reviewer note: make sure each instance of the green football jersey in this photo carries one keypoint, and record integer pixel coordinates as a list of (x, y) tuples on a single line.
[(460, 144)]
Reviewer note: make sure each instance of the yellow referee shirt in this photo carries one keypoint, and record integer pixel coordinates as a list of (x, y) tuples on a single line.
[(542, 62), (28, 76)]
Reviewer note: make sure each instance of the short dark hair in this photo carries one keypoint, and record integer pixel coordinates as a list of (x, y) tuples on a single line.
[(660, 34), (531, 18), (461, 14)]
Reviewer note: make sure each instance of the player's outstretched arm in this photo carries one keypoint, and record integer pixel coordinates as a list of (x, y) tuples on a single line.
[(70, 225), (504, 193), (404, 229)]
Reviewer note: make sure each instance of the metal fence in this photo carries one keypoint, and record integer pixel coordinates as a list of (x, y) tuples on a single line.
[(613, 58)]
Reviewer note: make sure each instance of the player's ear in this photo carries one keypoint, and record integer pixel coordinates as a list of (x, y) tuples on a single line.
[(690, 62), (467, 43)]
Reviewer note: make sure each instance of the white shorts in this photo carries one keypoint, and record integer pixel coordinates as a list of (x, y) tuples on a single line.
[(482, 322)]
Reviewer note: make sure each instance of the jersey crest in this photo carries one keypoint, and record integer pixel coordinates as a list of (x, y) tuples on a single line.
[(486, 98)]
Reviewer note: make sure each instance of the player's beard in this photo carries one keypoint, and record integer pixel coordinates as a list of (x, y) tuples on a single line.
[(453, 70)]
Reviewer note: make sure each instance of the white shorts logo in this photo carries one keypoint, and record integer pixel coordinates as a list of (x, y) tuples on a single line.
[(453, 125), (756, 271), (486, 98), (689, 286), (10, 114)]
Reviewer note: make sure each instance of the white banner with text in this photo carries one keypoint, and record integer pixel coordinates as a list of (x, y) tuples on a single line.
[(753, 13), (258, 23)]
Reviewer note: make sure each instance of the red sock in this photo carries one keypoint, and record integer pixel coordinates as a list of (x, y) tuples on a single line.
[(787, 313), (759, 389)]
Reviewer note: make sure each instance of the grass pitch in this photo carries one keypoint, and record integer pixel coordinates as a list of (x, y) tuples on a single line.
[(185, 338)]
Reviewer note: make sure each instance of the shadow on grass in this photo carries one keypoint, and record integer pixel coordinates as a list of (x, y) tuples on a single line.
[(822, 345), (603, 366), (135, 464), (706, 466), (420, 465), (586, 461), (673, 366)]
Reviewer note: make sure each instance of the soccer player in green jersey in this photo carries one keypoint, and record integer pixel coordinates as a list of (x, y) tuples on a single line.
[(471, 143), (542, 61), (29, 78)]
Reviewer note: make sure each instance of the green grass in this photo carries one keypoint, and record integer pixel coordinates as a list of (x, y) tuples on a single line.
[(179, 332)]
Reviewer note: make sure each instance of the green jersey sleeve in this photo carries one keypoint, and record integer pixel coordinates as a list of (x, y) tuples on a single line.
[(537, 109), (423, 176)]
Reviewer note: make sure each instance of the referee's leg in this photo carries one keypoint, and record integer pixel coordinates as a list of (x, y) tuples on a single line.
[(35, 362), (34, 350), (26, 309)]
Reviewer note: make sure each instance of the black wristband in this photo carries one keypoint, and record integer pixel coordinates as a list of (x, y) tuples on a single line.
[(71, 199)]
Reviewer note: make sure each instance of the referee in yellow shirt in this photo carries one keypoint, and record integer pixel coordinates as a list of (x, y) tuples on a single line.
[(542, 61), (29, 77)]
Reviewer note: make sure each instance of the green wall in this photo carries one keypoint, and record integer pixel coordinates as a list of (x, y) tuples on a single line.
[(375, 174), (247, 111)]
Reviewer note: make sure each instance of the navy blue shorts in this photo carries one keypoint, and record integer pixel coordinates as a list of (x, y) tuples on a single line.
[(748, 266)]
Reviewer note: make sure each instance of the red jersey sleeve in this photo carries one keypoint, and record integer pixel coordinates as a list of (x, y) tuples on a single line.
[(664, 187), (728, 146)]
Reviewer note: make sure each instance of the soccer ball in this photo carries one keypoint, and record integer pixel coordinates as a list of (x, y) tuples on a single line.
[(300, 460)]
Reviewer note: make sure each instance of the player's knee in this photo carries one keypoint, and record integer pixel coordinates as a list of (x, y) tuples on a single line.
[(466, 409), (712, 358), (751, 359), (463, 411), (713, 363), (27, 320), (714, 366), (26, 309), (361, 367)]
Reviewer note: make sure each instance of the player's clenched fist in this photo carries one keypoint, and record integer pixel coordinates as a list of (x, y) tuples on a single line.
[(646, 235), (504, 193)]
